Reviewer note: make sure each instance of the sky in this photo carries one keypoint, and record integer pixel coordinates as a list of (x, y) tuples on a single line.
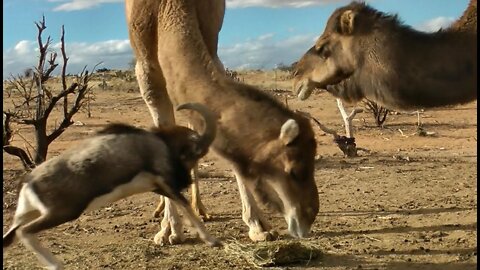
[(256, 34)]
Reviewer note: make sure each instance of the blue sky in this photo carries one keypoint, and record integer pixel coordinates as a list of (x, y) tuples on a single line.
[(255, 34)]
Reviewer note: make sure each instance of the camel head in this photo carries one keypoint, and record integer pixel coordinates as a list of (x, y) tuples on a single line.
[(332, 59), (299, 184), (285, 176), (366, 53)]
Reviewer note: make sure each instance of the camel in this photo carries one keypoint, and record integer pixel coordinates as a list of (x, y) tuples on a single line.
[(365, 53), (270, 148), (468, 20)]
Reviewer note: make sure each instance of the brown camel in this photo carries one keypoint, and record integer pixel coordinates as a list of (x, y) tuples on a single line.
[(271, 149), (364, 53)]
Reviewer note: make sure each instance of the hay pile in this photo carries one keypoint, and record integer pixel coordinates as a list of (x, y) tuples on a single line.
[(275, 253)]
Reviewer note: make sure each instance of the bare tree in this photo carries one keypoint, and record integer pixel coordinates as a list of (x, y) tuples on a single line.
[(37, 101), (346, 143)]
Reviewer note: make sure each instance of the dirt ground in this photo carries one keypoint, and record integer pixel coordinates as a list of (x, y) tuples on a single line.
[(410, 203)]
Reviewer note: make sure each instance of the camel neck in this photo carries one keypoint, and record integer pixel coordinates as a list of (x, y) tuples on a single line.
[(185, 60)]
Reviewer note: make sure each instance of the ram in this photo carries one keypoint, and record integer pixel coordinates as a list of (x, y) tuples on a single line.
[(115, 163)]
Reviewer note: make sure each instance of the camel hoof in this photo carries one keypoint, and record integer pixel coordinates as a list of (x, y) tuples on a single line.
[(175, 239), (206, 217), (55, 267), (161, 238), (263, 236)]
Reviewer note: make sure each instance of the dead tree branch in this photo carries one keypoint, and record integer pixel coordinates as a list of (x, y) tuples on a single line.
[(347, 119), (21, 154), (13, 150), (346, 144), (64, 70), (379, 112), (37, 114)]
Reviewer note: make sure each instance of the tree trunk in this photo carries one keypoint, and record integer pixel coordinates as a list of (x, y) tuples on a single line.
[(42, 142)]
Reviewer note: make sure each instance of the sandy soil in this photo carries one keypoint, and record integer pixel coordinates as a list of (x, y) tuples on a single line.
[(408, 204)]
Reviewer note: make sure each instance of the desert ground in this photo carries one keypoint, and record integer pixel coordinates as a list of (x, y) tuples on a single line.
[(408, 203)]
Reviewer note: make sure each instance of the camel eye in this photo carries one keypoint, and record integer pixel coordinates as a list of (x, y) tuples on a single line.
[(323, 51), (293, 175)]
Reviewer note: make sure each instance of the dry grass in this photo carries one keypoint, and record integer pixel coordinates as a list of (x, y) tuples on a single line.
[(279, 253)]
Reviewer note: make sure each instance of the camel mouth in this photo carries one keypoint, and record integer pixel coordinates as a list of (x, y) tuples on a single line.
[(305, 89), (296, 228), (304, 93)]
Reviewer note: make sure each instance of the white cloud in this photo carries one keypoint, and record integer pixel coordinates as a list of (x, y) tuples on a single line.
[(18, 58), (264, 52), (23, 47), (266, 36), (72, 5), (115, 54), (279, 3), (435, 24)]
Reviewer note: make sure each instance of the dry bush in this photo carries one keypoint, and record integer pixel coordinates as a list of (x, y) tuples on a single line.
[(232, 74), (379, 113)]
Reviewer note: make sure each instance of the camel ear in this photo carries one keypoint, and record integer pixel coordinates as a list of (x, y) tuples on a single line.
[(347, 20), (289, 131)]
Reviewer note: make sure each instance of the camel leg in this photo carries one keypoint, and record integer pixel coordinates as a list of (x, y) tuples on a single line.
[(160, 207), (259, 229), (197, 223), (173, 219), (197, 204), (171, 231), (153, 89)]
